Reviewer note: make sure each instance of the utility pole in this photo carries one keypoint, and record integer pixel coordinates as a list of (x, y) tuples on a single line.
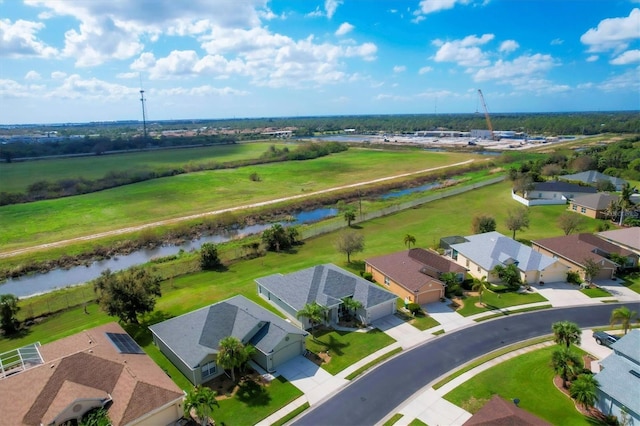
[(144, 115)]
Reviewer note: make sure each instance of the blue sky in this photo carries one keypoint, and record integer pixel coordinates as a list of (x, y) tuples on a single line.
[(81, 60)]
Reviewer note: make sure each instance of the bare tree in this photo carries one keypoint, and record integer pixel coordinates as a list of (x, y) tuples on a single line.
[(350, 242), (517, 220), (570, 222)]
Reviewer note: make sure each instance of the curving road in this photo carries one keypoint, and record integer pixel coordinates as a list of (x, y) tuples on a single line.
[(369, 399)]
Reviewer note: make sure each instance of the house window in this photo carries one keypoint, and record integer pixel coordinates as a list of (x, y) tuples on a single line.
[(583, 210), (574, 207), (478, 269), (208, 369), (467, 263), (387, 281)]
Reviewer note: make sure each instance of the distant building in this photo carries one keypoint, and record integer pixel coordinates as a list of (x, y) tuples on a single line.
[(592, 177)]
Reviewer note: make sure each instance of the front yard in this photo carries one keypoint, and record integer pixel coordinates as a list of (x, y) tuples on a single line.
[(345, 347), (491, 301), (528, 377)]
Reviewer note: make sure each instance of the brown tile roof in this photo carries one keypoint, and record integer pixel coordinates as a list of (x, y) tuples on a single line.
[(86, 365), (629, 237), (499, 412), (414, 268), (599, 201), (578, 247)]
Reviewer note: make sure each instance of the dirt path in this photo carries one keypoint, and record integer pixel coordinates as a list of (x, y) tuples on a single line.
[(136, 228)]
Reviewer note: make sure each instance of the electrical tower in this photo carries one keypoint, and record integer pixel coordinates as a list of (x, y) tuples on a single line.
[(144, 114)]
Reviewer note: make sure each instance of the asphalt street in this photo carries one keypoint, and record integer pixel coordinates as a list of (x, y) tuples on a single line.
[(368, 399)]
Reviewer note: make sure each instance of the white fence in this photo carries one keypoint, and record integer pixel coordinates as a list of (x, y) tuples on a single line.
[(530, 203)]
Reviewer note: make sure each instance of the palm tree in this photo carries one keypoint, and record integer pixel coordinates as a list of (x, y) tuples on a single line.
[(351, 305), (566, 333), (583, 390), (409, 240), (625, 200), (314, 312), (231, 354), (201, 400), (565, 363), (624, 316), (479, 286)]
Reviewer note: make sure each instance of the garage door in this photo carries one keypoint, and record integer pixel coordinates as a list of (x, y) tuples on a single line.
[(381, 310), (285, 354), (428, 297)]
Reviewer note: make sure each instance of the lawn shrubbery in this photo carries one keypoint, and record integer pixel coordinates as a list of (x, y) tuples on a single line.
[(574, 278)]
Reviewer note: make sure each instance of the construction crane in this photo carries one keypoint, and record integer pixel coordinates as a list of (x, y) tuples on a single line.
[(486, 114)]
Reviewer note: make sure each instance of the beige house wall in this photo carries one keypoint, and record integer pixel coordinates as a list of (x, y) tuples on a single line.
[(426, 294)]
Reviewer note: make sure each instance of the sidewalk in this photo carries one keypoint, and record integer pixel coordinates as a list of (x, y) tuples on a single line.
[(428, 404)]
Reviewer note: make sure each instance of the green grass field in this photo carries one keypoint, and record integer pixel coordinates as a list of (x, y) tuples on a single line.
[(53, 220), (527, 377), (493, 301), (16, 177)]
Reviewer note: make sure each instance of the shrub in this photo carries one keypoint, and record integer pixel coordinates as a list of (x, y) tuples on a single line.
[(255, 177), (574, 278), (414, 308), (367, 276)]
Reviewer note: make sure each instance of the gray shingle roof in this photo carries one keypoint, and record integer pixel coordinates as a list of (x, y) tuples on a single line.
[(616, 378), (195, 335), (324, 284), (599, 201), (493, 248), (564, 187), (593, 176)]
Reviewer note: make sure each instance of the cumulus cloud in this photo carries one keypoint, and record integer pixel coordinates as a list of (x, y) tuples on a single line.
[(344, 28), (32, 75), (58, 75), (464, 52), (626, 81), (425, 70), (127, 75), (76, 87), (118, 29), (557, 42), (508, 46), (628, 57), (593, 58), (205, 90), (18, 39), (523, 66), (399, 68), (430, 6), (613, 33)]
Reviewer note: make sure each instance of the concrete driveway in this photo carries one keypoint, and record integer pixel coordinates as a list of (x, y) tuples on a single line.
[(304, 374), (618, 291), (405, 334), (564, 294), (588, 344), (447, 317)]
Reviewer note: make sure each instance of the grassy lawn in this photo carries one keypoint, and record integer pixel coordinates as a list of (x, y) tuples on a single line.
[(253, 403), (346, 347), (595, 292), (18, 176), (165, 198), (417, 422), (493, 300), (631, 281), (393, 420), (527, 377), (292, 415)]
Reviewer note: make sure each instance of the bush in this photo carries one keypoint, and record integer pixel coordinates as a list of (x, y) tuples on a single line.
[(367, 276), (414, 308), (209, 259), (255, 177), (573, 278)]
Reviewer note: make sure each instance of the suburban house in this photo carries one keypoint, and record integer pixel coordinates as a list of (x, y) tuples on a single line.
[(101, 367), (592, 177), (627, 238), (414, 274), (499, 411), (574, 250), (546, 193), (481, 253), (326, 285), (593, 205), (619, 380), (191, 341)]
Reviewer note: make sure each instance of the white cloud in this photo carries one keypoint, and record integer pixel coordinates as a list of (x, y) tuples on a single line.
[(509, 46), (523, 66), (425, 70), (58, 75), (32, 76), (316, 13), (557, 42), (344, 28), (205, 90), (613, 33), (628, 57), (464, 52), (431, 6), (18, 39), (625, 82), (330, 7), (399, 68), (127, 75), (13, 89), (118, 29), (593, 58), (75, 87)]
